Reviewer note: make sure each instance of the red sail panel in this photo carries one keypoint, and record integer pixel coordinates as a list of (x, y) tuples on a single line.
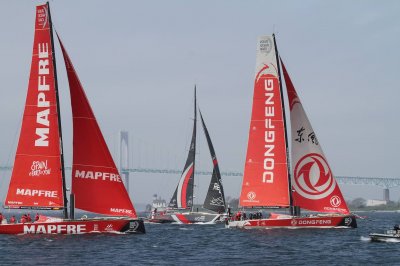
[(265, 180), (314, 185), (96, 183), (36, 179)]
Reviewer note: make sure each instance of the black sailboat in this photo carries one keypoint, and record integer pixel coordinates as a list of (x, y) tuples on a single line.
[(181, 205), (215, 199)]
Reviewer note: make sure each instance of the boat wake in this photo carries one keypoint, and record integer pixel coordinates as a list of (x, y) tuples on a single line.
[(365, 239), (186, 229)]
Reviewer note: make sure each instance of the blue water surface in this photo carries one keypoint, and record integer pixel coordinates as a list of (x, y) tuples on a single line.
[(172, 244)]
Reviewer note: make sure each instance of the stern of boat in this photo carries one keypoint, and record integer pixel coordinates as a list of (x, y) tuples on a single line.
[(134, 226), (349, 221)]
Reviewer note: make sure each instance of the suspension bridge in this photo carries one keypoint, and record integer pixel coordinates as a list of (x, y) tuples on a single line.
[(123, 153)]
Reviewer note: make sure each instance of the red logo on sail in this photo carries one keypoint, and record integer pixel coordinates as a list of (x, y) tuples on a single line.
[(335, 201), (251, 195), (313, 178)]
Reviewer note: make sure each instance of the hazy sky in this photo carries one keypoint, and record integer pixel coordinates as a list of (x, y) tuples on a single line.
[(139, 60)]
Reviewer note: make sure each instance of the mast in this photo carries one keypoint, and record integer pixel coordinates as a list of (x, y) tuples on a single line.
[(65, 210), (284, 122), (194, 149)]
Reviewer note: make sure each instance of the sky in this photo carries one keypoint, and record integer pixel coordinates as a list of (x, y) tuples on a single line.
[(139, 61)]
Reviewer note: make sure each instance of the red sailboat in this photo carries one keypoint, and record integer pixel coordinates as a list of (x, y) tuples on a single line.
[(268, 181), (38, 177)]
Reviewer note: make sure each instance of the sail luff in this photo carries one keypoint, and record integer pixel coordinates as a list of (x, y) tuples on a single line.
[(64, 186), (314, 185), (215, 198)]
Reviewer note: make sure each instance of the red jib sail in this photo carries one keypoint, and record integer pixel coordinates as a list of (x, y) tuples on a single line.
[(314, 185), (36, 179), (265, 180), (96, 183)]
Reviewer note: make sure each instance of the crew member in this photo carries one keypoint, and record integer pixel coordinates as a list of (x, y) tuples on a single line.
[(13, 220)]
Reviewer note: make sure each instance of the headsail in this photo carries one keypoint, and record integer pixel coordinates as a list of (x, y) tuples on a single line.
[(314, 185), (215, 199), (266, 177), (36, 179), (96, 183), (183, 195)]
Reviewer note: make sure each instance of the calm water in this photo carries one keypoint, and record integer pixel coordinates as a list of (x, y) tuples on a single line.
[(211, 245)]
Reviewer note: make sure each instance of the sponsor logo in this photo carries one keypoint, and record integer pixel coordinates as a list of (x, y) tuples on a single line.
[(217, 187), (121, 211), (37, 193), (98, 176), (269, 133), (95, 227), (11, 202), (55, 229), (313, 178), (266, 45), (43, 104), (314, 222), (134, 225), (251, 195), (217, 201), (39, 168), (200, 218), (267, 84), (109, 227), (293, 222), (335, 201), (347, 221), (42, 17)]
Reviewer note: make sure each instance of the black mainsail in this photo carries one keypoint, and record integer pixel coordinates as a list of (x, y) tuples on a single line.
[(215, 199)]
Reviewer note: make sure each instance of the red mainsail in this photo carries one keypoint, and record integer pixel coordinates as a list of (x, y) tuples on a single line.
[(36, 179), (265, 180), (314, 185), (96, 183)]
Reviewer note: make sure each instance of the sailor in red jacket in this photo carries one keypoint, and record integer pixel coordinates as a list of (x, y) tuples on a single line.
[(23, 219), (13, 220)]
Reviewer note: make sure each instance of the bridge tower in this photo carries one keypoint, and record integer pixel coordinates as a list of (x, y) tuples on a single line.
[(386, 195), (124, 157)]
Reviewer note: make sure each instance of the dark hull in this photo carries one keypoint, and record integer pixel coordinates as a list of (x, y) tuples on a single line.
[(70, 227), (345, 221), (186, 218)]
